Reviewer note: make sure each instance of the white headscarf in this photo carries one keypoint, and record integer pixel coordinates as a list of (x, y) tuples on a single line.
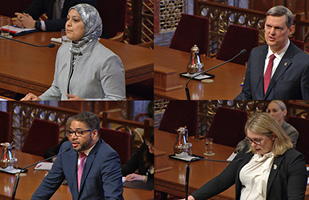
[(93, 26)]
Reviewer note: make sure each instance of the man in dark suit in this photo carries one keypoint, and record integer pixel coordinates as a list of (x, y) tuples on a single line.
[(56, 11), (278, 70), (90, 166)]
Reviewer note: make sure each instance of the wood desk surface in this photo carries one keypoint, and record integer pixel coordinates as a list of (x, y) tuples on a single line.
[(173, 181), (24, 68), (29, 183), (226, 83)]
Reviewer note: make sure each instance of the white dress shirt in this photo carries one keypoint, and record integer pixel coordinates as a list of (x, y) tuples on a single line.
[(254, 176)]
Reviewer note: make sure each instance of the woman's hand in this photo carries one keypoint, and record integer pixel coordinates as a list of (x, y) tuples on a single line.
[(31, 97), (134, 177), (72, 97), (189, 198)]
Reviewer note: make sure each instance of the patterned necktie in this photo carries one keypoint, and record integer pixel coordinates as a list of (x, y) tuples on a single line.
[(58, 5), (82, 158), (267, 75)]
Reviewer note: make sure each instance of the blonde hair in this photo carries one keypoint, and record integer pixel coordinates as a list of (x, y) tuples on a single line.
[(279, 103), (264, 124)]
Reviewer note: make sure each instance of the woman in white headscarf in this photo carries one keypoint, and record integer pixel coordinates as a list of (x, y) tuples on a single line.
[(85, 69)]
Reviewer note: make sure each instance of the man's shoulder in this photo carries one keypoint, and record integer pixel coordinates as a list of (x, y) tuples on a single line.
[(260, 48), (104, 148)]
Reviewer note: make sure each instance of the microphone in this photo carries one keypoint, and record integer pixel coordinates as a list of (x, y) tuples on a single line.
[(187, 89), (50, 45), (23, 169), (196, 159)]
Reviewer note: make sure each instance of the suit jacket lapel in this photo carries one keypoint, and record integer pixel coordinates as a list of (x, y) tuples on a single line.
[(284, 64), (259, 91), (274, 171), (73, 173), (246, 158)]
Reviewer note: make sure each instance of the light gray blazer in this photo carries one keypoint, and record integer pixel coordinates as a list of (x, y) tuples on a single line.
[(98, 74)]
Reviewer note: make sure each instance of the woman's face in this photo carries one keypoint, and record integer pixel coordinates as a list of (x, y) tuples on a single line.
[(74, 26), (261, 143), (276, 112), (150, 147)]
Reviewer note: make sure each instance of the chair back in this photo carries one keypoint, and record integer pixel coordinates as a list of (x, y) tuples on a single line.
[(178, 114), (300, 44), (113, 15), (119, 141), (14, 6), (191, 30), (42, 135), (227, 127), (235, 39), (302, 126), (5, 124)]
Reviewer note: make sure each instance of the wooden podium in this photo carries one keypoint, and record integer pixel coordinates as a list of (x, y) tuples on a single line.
[(161, 161), (166, 79)]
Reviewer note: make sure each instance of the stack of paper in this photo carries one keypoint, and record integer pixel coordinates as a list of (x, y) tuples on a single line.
[(14, 30), (44, 166)]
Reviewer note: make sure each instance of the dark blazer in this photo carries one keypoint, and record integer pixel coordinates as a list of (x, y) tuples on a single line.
[(39, 7), (290, 80), (101, 177), (136, 162), (291, 132), (287, 178)]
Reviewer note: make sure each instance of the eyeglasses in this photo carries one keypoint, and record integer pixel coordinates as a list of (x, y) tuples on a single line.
[(78, 133), (255, 141)]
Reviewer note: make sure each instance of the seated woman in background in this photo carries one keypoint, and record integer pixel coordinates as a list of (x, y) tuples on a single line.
[(269, 169), (141, 160), (277, 109), (84, 68)]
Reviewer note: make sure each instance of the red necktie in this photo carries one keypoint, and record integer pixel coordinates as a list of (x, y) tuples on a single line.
[(267, 75), (82, 158)]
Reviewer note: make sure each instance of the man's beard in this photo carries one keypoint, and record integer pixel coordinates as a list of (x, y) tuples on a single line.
[(84, 146)]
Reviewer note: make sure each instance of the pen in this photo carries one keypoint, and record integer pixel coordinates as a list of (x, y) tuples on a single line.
[(39, 166)]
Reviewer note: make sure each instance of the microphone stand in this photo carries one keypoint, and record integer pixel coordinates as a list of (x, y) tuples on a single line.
[(50, 45), (187, 89), (188, 171), (23, 169)]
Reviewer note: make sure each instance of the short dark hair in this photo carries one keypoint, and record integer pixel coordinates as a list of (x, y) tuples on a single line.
[(89, 118), (281, 11)]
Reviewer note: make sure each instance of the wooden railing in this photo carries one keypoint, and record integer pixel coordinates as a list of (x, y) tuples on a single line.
[(221, 16), (147, 125), (23, 113), (142, 22), (208, 109)]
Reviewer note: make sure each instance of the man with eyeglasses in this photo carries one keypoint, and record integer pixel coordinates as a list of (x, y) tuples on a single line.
[(91, 167)]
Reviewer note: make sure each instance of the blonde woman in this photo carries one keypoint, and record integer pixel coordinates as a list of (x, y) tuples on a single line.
[(270, 168)]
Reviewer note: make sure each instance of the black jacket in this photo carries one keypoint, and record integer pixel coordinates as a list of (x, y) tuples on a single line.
[(287, 178), (290, 80), (136, 162), (39, 7)]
